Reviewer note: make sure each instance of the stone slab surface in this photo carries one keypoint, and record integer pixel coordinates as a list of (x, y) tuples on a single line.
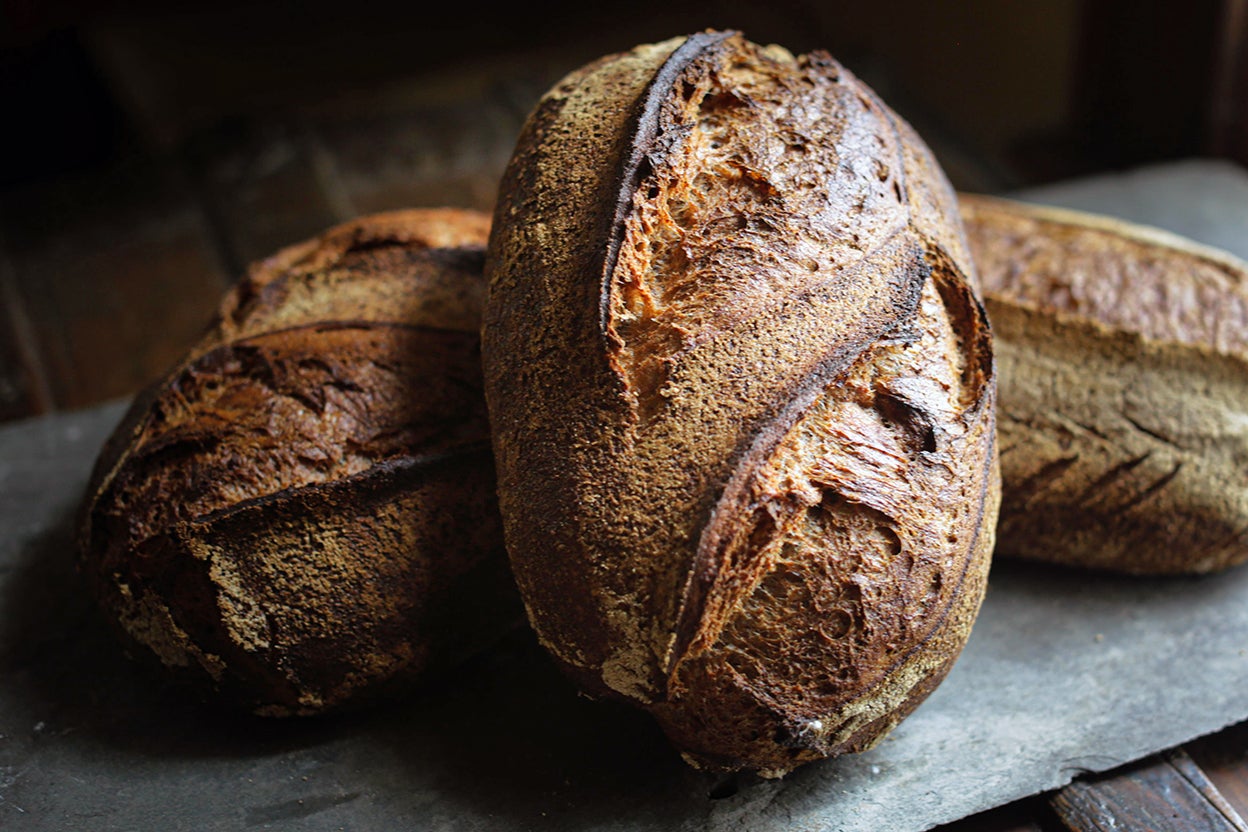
[(1065, 672)]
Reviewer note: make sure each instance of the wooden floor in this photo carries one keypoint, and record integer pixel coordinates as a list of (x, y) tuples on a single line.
[(109, 270)]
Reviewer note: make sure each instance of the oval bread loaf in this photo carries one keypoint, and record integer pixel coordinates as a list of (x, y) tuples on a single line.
[(741, 394), (302, 514), (1124, 390)]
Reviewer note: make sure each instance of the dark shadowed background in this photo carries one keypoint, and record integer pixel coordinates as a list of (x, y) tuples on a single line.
[(151, 149)]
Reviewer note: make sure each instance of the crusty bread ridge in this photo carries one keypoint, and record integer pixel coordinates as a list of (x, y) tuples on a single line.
[(1123, 418), (420, 266), (741, 395), (300, 514)]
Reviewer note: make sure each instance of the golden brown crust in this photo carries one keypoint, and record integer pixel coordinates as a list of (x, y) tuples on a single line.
[(419, 266), (290, 514), (729, 323), (1129, 277), (1124, 377)]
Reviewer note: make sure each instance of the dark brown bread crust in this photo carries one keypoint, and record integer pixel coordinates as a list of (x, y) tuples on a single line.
[(1124, 383), (301, 513), (420, 267), (742, 398)]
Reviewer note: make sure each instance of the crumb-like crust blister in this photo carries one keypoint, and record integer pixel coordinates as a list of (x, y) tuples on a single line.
[(742, 398)]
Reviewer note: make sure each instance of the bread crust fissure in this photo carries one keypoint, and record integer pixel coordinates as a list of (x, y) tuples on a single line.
[(641, 139), (709, 206), (286, 618), (375, 269), (881, 559), (786, 287), (755, 452), (297, 517), (337, 392)]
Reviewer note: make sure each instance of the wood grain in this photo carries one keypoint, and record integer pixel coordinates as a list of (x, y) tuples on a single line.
[(1224, 759), (1163, 793)]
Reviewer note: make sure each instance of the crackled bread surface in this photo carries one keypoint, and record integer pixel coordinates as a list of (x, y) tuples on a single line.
[(1133, 278), (1124, 390), (419, 267), (302, 514), (742, 398)]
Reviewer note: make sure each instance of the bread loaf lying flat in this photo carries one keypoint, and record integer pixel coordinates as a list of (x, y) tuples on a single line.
[(302, 514), (742, 397), (1124, 390)]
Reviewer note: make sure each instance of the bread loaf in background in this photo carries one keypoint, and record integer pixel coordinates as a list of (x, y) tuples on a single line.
[(1123, 418), (301, 516), (742, 399)]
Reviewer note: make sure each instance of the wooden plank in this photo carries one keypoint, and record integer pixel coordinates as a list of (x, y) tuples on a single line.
[(117, 272), (1166, 793), (1224, 759), (1194, 774)]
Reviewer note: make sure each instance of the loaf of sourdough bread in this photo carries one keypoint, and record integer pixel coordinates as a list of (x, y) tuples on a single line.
[(1123, 414), (742, 398), (301, 515)]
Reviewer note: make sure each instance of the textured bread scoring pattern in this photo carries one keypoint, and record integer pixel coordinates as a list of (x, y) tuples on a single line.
[(303, 511), (743, 410), (701, 245), (1124, 366), (298, 408), (852, 556), (419, 267)]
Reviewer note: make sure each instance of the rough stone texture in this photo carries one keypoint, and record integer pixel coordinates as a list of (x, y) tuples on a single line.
[(1065, 672)]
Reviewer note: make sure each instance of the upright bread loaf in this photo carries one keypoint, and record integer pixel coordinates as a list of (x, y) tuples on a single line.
[(302, 514), (741, 394), (1124, 390)]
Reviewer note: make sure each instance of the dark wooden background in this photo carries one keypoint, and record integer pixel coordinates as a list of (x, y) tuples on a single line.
[(150, 150)]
